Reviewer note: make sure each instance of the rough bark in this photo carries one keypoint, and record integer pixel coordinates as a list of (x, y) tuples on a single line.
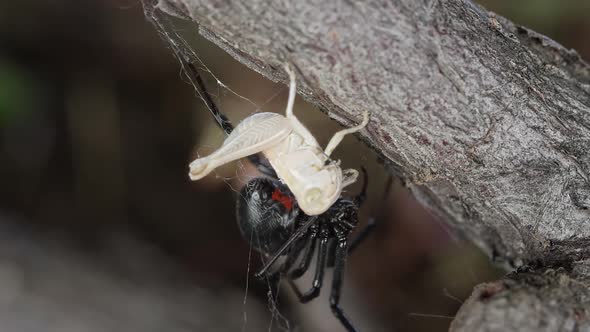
[(543, 301), (487, 122)]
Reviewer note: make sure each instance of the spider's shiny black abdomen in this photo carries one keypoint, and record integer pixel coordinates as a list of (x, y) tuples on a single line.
[(266, 213)]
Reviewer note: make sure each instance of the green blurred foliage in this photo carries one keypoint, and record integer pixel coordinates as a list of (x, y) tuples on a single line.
[(17, 89)]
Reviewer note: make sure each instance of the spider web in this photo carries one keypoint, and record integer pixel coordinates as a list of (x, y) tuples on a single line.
[(187, 56), (191, 63)]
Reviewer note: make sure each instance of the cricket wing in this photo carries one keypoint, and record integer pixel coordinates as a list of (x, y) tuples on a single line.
[(254, 134)]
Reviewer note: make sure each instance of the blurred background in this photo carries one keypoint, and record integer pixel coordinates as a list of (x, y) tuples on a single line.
[(100, 229)]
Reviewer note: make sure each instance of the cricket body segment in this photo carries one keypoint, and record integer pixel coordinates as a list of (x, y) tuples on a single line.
[(254, 134), (293, 152)]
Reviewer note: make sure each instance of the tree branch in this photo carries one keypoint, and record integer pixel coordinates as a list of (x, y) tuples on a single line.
[(536, 301), (488, 122)]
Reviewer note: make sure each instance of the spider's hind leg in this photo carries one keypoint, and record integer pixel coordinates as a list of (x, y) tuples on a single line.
[(307, 257), (275, 277), (331, 258)]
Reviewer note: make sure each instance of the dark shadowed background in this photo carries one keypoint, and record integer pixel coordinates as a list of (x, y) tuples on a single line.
[(101, 228)]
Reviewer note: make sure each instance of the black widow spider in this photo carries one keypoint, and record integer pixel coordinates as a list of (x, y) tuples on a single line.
[(270, 219)]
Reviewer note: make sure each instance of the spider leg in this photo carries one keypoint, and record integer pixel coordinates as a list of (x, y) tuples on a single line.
[(184, 56), (307, 257), (341, 253), (359, 199), (314, 291), (331, 253), (292, 257), (286, 246), (362, 195), (362, 235), (221, 119)]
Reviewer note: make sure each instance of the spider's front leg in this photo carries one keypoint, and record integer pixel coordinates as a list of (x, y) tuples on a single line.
[(299, 233), (314, 291), (275, 277), (341, 253), (307, 257)]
